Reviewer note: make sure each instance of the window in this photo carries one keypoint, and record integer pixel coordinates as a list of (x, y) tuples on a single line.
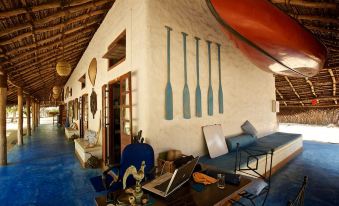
[(82, 80), (116, 52)]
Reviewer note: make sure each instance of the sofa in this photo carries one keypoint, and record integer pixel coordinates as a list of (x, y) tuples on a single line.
[(73, 129), (285, 146)]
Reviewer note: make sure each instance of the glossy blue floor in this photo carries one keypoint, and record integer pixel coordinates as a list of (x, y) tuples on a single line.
[(45, 171)]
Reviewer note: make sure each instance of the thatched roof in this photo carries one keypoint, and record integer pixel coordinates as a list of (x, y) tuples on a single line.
[(321, 17), (35, 34)]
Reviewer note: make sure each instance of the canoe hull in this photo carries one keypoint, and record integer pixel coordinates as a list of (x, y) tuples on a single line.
[(272, 40)]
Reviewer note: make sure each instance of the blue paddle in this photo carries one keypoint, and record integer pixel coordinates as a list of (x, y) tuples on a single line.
[(198, 111), (168, 90), (186, 92), (210, 91), (220, 96)]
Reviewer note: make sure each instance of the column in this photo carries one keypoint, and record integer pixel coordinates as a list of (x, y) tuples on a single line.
[(20, 117), (33, 114), (28, 114), (3, 99)]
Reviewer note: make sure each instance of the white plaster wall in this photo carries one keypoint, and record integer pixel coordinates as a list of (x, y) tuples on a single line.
[(248, 91), (125, 14)]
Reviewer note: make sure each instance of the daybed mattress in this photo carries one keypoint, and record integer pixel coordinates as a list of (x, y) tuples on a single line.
[(284, 144)]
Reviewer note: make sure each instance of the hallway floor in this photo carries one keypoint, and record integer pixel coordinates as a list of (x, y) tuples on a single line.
[(45, 171)]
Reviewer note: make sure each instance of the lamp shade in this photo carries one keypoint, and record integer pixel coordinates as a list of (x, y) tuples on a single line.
[(63, 68), (55, 96), (56, 90)]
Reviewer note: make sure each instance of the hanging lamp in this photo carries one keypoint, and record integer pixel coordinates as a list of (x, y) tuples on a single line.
[(63, 68)]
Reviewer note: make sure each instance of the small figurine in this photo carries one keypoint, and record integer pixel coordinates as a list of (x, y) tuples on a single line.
[(138, 176)]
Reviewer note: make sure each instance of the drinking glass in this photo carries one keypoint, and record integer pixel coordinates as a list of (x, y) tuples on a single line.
[(221, 181)]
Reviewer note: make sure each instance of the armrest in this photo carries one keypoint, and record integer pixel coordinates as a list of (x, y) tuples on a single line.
[(110, 172)]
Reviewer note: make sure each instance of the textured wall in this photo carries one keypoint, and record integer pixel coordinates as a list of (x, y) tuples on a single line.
[(248, 91), (125, 14)]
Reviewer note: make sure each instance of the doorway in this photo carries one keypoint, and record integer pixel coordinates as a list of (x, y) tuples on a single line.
[(83, 115), (117, 124)]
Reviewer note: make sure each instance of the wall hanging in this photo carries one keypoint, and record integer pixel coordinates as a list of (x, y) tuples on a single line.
[(93, 102), (210, 91), (186, 92), (198, 111), (92, 71), (220, 96), (168, 90)]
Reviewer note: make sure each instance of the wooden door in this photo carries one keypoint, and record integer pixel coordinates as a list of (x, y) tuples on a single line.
[(83, 114), (125, 110)]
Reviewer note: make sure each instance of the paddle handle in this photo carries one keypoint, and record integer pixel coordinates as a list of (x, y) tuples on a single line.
[(169, 29), (209, 61), (197, 57), (219, 65), (184, 36)]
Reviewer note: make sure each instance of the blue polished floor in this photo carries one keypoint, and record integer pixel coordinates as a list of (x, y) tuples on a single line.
[(45, 171), (320, 162)]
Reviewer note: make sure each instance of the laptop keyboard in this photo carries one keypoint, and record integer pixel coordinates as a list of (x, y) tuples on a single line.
[(163, 186)]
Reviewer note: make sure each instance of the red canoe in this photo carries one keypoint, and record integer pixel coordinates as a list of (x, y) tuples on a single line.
[(269, 38)]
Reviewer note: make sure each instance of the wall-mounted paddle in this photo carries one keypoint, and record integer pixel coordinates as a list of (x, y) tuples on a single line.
[(210, 91), (220, 96), (198, 111), (186, 92), (168, 90)]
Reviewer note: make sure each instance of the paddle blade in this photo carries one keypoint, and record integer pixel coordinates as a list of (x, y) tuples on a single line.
[(221, 100), (168, 102), (186, 103), (198, 111), (210, 101)]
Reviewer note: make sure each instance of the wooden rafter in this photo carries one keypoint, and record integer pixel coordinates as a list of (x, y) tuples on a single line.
[(281, 96), (309, 4), (312, 87), (292, 87), (334, 84)]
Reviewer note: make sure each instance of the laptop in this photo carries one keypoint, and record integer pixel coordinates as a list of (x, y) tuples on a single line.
[(168, 183)]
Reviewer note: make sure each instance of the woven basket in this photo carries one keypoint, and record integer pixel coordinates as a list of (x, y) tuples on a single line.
[(55, 96), (63, 68), (56, 90)]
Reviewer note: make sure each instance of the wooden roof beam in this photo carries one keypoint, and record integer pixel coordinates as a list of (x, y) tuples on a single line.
[(308, 4), (281, 96), (311, 106), (73, 4), (334, 85), (292, 87), (322, 19), (73, 39), (324, 30), (311, 85)]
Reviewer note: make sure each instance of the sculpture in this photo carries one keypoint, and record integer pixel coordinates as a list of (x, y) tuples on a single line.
[(137, 193)]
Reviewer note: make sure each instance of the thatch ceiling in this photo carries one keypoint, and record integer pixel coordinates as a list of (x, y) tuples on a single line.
[(321, 17), (35, 34)]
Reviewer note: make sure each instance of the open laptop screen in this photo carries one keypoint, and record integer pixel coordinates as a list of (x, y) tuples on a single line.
[(182, 174)]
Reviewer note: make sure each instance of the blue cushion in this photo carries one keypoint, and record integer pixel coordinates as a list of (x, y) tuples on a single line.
[(256, 186), (243, 140)]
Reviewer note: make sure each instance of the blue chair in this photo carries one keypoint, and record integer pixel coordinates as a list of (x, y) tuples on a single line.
[(133, 154)]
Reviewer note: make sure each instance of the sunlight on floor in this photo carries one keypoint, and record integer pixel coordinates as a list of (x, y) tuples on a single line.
[(312, 132)]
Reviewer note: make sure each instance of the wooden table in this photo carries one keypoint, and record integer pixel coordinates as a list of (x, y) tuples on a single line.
[(186, 195)]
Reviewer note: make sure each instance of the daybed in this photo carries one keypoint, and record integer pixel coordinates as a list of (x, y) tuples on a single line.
[(285, 145), (72, 130)]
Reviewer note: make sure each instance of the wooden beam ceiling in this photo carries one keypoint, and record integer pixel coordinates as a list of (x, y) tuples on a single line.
[(34, 36)]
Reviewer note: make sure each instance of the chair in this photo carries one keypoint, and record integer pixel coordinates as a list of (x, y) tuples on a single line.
[(299, 199), (133, 154), (262, 178)]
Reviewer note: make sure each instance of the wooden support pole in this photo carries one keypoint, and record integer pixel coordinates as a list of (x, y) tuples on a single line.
[(292, 87), (38, 114), (20, 117), (28, 115), (33, 114), (3, 99)]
